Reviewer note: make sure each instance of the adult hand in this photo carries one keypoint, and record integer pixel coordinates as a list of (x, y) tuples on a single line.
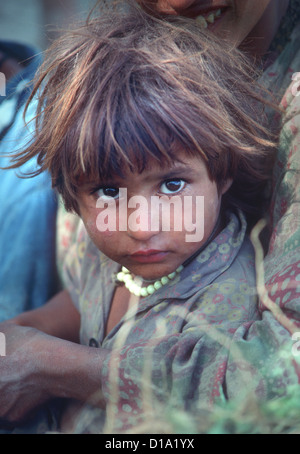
[(24, 384), (39, 366)]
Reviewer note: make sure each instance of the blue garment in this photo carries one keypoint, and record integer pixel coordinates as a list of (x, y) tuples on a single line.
[(19, 87), (27, 206)]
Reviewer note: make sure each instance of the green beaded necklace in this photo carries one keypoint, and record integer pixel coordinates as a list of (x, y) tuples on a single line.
[(133, 286)]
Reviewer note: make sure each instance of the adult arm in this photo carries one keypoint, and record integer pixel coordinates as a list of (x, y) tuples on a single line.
[(58, 318), (40, 365)]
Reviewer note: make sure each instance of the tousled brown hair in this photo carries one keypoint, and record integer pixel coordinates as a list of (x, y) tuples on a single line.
[(125, 87)]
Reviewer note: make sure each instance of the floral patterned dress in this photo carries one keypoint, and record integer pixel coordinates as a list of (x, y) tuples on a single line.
[(209, 345), (187, 327)]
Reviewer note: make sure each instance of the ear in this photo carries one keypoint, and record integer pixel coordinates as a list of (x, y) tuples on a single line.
[(226, 186)]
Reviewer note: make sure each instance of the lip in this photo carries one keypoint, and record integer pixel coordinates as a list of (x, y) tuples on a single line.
[(149, 256), (196, 10)]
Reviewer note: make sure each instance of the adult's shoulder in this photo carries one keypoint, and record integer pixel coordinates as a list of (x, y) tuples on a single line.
[(277, 77)]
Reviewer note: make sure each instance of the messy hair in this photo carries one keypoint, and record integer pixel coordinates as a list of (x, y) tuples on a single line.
[(125, 87)]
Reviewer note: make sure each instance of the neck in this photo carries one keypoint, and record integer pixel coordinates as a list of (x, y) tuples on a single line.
[(261, 36)]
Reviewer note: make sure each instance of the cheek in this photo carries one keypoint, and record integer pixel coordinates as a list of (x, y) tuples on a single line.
[(101, 238), (89, 218), (212, 205), (109, 241), (249, 14), (200, 218), (91, 227), (242, 19)]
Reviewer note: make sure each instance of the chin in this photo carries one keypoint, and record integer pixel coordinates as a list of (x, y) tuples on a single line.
[(154, 275)]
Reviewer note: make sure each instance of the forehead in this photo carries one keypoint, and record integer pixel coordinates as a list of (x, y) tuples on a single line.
[(183, 165)]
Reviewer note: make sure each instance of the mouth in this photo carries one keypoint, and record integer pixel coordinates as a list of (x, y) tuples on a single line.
[(210, 18), (206, 17), (149, 256)]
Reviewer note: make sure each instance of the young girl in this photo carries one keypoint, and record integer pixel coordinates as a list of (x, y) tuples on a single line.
[(132, 110)]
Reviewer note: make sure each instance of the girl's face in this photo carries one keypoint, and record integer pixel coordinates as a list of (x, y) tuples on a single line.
[(150, 239), (256, 20)]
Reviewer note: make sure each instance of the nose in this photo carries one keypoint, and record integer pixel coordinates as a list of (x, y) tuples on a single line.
[(143, 236), (140, 224)]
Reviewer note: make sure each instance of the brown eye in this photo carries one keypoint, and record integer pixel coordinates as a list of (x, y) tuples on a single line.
[(172, 186), (106, 192)]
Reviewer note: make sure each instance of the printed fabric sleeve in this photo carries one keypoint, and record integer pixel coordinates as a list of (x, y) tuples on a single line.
[(270, 344), (72, 266), (179, 370), (282, 263), (193, 373)]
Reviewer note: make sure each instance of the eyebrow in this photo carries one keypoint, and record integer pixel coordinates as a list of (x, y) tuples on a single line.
[(161, 174), (176, 171)]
